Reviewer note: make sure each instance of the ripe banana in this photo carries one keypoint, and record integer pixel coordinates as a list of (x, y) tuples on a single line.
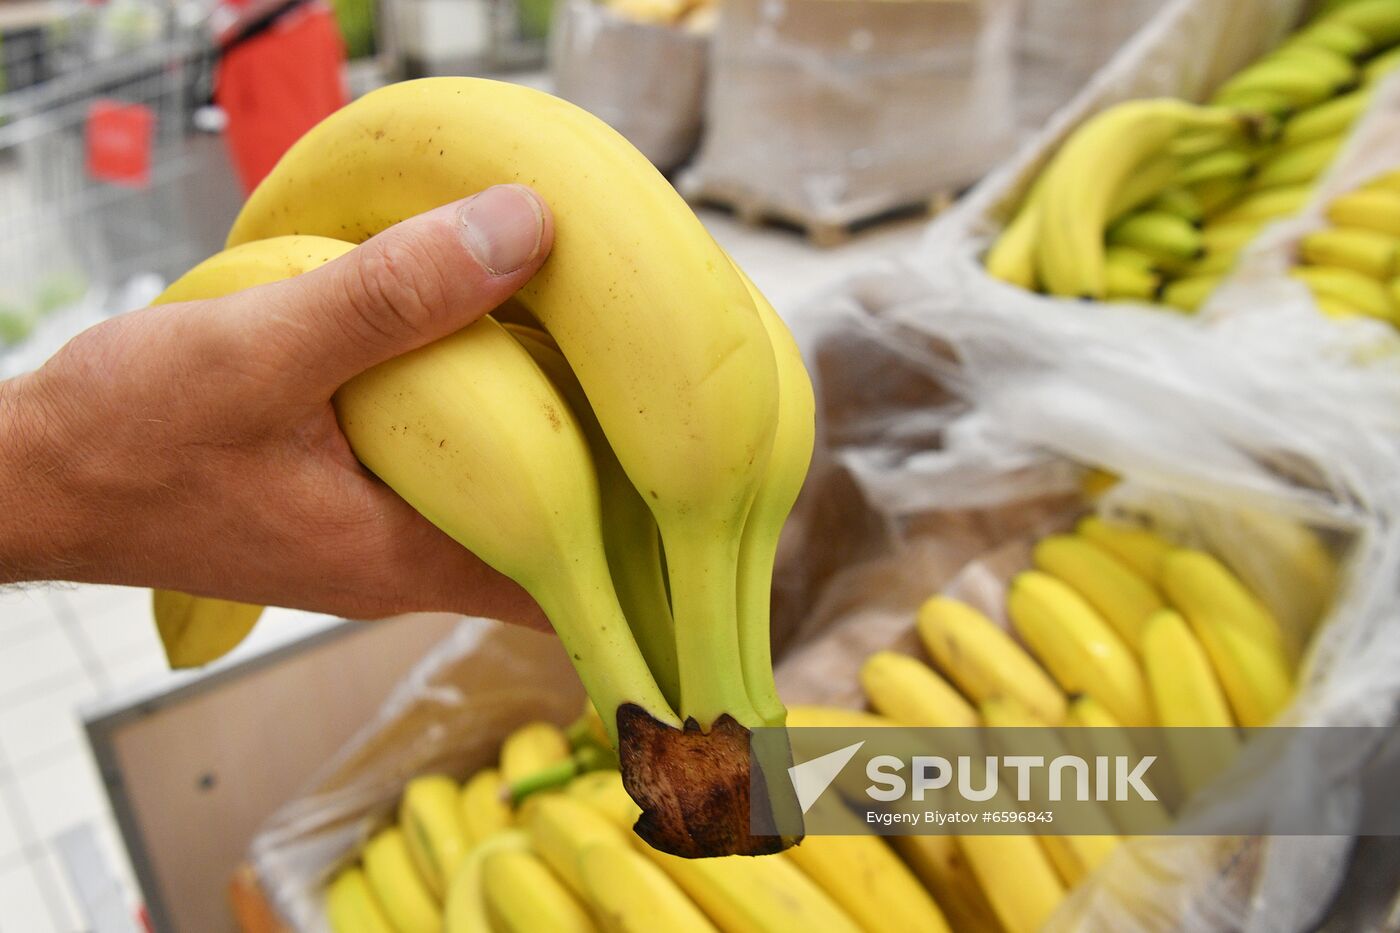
[(1380, 66), (1190, 293), (603, 791), (532, 747), (1297, 82), (1367, 209), (909, 692), (683, 383), (560, 827), (1331, 118), (939, 863), (465, 910), (1336, 308), (1186, 694), (1265, 205), (1181, 202), (1122, 596), (869, 882), (397, 886), (1141, 550), (195, 630), (1338, 67), (1218, 165), (1241, 638), (1365, 251), (431, 829), (1386, 181), (1086, 174), (1228, 238), (1077, 646), (630, 537), (1297, 165), (523, 897), (984, 662), (1214, 194), (1357, 290), (1334, 36), (1102, 735), (1017, 877), (1012, 257), (1148, 182), (631, 895), (831, 717), (1128, 281), (1158, 234), (482, 806), (1378, 19), (351, 907)]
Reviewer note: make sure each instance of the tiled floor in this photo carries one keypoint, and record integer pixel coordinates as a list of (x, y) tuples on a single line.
[(60, 648)]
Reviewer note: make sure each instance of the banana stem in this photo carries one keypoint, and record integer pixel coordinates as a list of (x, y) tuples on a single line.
[(760, 550)]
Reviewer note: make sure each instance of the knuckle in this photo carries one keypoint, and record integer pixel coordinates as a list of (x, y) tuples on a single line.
[(397, 290)]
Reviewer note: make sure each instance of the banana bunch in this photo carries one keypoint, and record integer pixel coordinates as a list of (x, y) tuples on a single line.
[(694, 16), (1153, 200), (1112, 627), (629, 462), (1352, 267)]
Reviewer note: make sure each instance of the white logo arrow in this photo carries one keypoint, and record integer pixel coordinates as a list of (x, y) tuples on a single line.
[(811, 778)]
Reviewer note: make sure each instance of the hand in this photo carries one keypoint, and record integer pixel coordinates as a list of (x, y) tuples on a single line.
[(194, 447)]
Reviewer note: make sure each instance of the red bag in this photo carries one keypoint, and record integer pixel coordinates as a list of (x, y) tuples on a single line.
[(118, 139), (277, 84)]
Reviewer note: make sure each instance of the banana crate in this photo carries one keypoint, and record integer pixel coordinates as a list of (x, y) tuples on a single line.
[(952, 447)]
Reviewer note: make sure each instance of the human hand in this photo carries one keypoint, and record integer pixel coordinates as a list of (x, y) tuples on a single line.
[(193, 446)]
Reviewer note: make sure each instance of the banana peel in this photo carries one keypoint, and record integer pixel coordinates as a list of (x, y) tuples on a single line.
[(195, 630)]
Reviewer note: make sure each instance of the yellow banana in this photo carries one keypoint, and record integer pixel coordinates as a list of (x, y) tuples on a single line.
[(1336, 308), (1298, 83), (1214, 264), (1121, 595), (523, 897), (195, 630), (1126, 281), (1158, 234), (1378, 19), (869, 881), (1147, 183), (631, 895), (831, 717), (483, 807), (465, 910), (1228, 237), (1335, 37), (1220, 165), (1080, 649), (603, 791), (984, 662), (1331, 118), (1375, 209), (1339, 67), (1380, 66), (1386, 181), (351, 907), (397, 886), (939, 863), (1186, 693), (1296, 165), (532, 747), (560, 827), (909, 692), (1214, 194), (1141, 550), (1364, 251), (1356, 289), (1240, 637), (1012, 256), (1018, 878), (1189, 294), (1103, 736), (1265, 205), (431, 829), (1180, 201)]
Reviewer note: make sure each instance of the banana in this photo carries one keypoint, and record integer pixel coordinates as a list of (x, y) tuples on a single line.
[(397, 886), (1141, 550), (1378, 19), (630, 536), (1074, 857), (1336, 308), (909, 692), (1297, 82), (631, 895), (1380, 66), (1221, 164), (195, 630), (1186, 693), (1357, 290), (523, 897), (1386, 181), (482, 806), (351, 907), (1374, 209), (603, 791), (465, 910), (1279, 103), (1265, 205), (984, 662), (1158, 234), (532, 747), (1077, 646), (560, 827), (1012, 256), (1180, 201), (1128, 281), (1131, 258), (1148, 182), (1103, 736), (683, 383), (1365, 251), (1190, 293), (1241, 638), (1214, 264), (431, 829), (939, 863), (1338, 67), (1298, 164), (793, 441), (831, 717), (1086, 174), (1123, 597), (869, 882), (1335, 37), (1216, 193), (1331, 118), (1229, 238), (1017, 877), (1394, 288)]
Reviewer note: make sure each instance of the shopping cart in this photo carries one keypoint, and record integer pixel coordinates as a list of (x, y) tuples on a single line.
[(96, 199)]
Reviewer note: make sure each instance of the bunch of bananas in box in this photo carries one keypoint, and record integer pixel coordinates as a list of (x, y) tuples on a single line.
[(652, 403), (1352, 267), (563, 860), (1152, 200), (1115, 627)]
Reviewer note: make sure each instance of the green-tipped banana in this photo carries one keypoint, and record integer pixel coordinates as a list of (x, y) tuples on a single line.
[(1159, 234), (1297, 165), (1326, 119)]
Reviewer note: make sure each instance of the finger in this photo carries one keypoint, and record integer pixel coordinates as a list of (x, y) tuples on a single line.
[(416, 282)]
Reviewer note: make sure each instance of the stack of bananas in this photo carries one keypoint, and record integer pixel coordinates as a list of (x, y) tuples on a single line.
[(1352, 267), (697, 16), (646, 398), (1152, 200)]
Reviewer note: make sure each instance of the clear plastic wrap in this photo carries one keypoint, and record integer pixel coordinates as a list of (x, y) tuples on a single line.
[(829, 113), (644, 80)]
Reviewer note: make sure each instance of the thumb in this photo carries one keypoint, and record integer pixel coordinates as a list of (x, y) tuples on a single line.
[(418, 281)]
